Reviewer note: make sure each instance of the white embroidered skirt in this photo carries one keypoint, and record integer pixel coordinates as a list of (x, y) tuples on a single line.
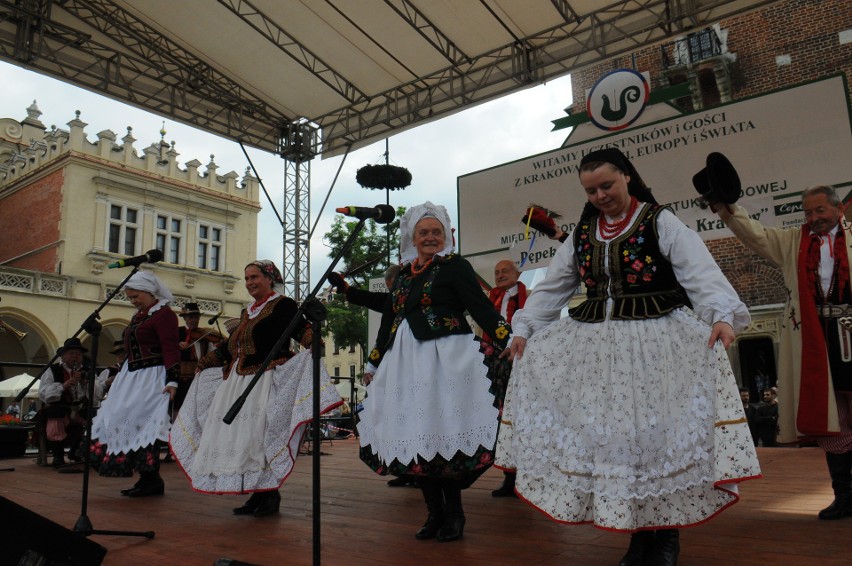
[(427, 398), (626, 424), (135, 413), (257, 450)]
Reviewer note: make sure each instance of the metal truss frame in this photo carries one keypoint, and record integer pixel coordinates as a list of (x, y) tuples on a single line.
[(140, 66)]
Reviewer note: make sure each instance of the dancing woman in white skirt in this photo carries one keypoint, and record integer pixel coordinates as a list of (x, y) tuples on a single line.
[(626, 414), (429, 413), (256, 452), (133, 421)]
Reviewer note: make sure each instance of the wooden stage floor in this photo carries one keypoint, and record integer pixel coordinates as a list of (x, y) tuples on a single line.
[(366, 522)]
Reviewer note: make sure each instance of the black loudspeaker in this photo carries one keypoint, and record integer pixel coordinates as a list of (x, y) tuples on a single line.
[(28, 539)]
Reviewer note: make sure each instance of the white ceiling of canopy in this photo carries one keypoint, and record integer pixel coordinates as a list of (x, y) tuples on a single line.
[(359, 70)]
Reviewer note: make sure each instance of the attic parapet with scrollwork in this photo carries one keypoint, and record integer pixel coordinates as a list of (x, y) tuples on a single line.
[(27, 146)]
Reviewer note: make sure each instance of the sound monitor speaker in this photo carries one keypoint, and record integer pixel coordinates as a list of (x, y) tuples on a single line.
[(28, 539)]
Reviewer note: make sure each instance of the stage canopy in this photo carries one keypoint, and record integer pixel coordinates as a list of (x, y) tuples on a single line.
[(360, 70)]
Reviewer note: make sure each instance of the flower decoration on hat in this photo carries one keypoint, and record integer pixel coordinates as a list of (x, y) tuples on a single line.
[(541, 219)]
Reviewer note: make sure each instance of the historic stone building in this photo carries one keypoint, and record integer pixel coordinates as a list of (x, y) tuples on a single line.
[(788, 43), (70, 206)]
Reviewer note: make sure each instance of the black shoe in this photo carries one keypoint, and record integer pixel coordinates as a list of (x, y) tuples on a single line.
[(452, 529), (148, 488), (641, 546), (399, 482), (839, 508), (666, 548), (250, 505), (430, 528), (269, 505), (129, 490), (504, 491)]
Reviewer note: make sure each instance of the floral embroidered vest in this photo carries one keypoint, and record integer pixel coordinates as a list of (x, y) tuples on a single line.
[(642, 285)]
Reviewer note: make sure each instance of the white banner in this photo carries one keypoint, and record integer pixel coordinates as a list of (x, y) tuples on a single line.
[(780, 144)]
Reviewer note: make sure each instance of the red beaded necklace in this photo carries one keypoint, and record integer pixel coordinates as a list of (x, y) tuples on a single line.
[(415, 270), (610, 230), (259, 302)]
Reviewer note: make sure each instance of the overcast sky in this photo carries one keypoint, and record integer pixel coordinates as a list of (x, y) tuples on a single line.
[(436, 154)]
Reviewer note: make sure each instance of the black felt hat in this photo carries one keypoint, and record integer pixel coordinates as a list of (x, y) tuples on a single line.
[(117, 347), (72, 344), (718, 181), (190, 309)]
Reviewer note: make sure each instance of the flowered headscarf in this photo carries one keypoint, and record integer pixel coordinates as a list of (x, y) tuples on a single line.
[(150, 283), (270, 270), (407, 251)]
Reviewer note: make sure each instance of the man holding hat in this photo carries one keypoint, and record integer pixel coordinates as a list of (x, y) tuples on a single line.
[(63, 391), (815, 362)]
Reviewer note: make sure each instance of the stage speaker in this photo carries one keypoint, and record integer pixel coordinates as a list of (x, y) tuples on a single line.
[(28, 539)]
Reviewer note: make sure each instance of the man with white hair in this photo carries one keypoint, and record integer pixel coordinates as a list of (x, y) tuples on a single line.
[(816, 350)]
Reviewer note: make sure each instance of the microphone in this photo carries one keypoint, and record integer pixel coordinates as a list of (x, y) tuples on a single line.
[(151, 256), (381, 213), (212, 320)]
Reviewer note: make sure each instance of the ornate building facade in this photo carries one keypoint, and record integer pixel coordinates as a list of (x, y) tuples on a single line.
[(70, 206)]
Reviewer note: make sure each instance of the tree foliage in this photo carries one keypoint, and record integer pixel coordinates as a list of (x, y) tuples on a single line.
[(367, 258)]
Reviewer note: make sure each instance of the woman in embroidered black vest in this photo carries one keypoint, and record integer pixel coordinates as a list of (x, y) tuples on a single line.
[(429, 413), (256, 452), (133, 422), (626, 414)]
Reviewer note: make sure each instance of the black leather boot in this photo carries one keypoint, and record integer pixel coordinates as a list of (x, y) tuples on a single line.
[(840, 470), (250, 505), (508, 487), (641, 547), (434, 498), (270, 503), (666, 548), (58, 455), (129, 490), (401, 481), (453, 526), (150, 483)]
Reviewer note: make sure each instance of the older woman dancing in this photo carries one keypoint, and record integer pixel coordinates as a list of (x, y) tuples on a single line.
[(256, 452), (133, 421), (429, 413)]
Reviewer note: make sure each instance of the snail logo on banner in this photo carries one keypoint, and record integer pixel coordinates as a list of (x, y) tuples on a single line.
[(618, 99)]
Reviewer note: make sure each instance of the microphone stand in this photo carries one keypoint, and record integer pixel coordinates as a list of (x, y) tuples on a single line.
[(91, 325), (312, 309)]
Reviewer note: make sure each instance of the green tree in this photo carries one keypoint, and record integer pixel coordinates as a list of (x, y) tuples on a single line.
[(366, 259)]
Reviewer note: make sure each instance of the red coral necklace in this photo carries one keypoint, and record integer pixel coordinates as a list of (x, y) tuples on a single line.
[(417, 269), (610, 230)]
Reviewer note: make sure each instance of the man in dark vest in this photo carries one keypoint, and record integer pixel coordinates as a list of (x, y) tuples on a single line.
[(63, 390), (194, 343)]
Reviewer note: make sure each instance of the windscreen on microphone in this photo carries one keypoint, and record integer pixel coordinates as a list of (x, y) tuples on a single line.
[(382, 213), (151, 256)]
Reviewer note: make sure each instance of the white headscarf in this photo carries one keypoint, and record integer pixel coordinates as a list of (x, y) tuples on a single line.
[(150, 283), (413, 215)]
